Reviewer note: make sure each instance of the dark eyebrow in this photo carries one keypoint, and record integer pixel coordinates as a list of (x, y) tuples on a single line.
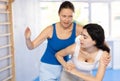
[(84, 35)]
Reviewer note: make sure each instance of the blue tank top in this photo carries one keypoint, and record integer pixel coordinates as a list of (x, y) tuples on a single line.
[(55, 44)]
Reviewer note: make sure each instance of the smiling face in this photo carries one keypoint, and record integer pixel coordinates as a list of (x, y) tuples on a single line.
[(66, 17), (86, 40)]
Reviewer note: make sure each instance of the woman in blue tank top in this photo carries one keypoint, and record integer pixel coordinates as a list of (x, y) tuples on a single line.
[(59, 35)]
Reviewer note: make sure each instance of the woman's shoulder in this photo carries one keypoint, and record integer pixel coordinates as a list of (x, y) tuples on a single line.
[(79, 25), (50, 27), (79, 28), (48, 30), (105, 53)]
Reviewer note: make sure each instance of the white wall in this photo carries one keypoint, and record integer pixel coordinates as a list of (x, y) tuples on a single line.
[(116, 54), (26, 61)]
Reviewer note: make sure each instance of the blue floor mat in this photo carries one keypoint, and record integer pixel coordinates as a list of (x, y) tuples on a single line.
[(36, 79), (110, 75)]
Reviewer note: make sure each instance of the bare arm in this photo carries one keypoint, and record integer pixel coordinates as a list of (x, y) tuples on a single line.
[(59, 55), (79, 29), (46, 33), (100, 74)]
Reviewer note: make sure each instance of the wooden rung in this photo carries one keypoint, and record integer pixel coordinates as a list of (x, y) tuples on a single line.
[(5, 57), (5, 46), (5, 68), (3, 35), (3, 7), (5, 23), (4, 12), (8, 78), (3, 0)]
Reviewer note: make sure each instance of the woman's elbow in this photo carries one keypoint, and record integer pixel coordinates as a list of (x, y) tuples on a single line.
[(57, 55)]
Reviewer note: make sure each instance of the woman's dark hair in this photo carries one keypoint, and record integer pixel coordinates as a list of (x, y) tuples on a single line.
[(66, 4), (97, 34)]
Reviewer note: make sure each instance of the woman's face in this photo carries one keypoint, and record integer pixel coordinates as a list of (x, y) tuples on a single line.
[(66, 17), (85, 40)]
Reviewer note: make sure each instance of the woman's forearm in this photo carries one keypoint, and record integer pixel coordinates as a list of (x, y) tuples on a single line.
[(85, 77), (61, 60)]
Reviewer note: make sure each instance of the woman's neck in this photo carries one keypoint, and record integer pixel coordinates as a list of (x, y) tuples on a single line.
[(90, 50), (65, 28)]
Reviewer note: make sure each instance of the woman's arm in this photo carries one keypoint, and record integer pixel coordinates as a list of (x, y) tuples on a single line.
[(64, 52), (79, 29), (107, 59), (100, 73), (102, 66), (46, 33)]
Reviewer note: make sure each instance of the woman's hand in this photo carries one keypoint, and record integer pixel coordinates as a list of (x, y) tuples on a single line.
[(106, 58), (27, 33), (69, 66)]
